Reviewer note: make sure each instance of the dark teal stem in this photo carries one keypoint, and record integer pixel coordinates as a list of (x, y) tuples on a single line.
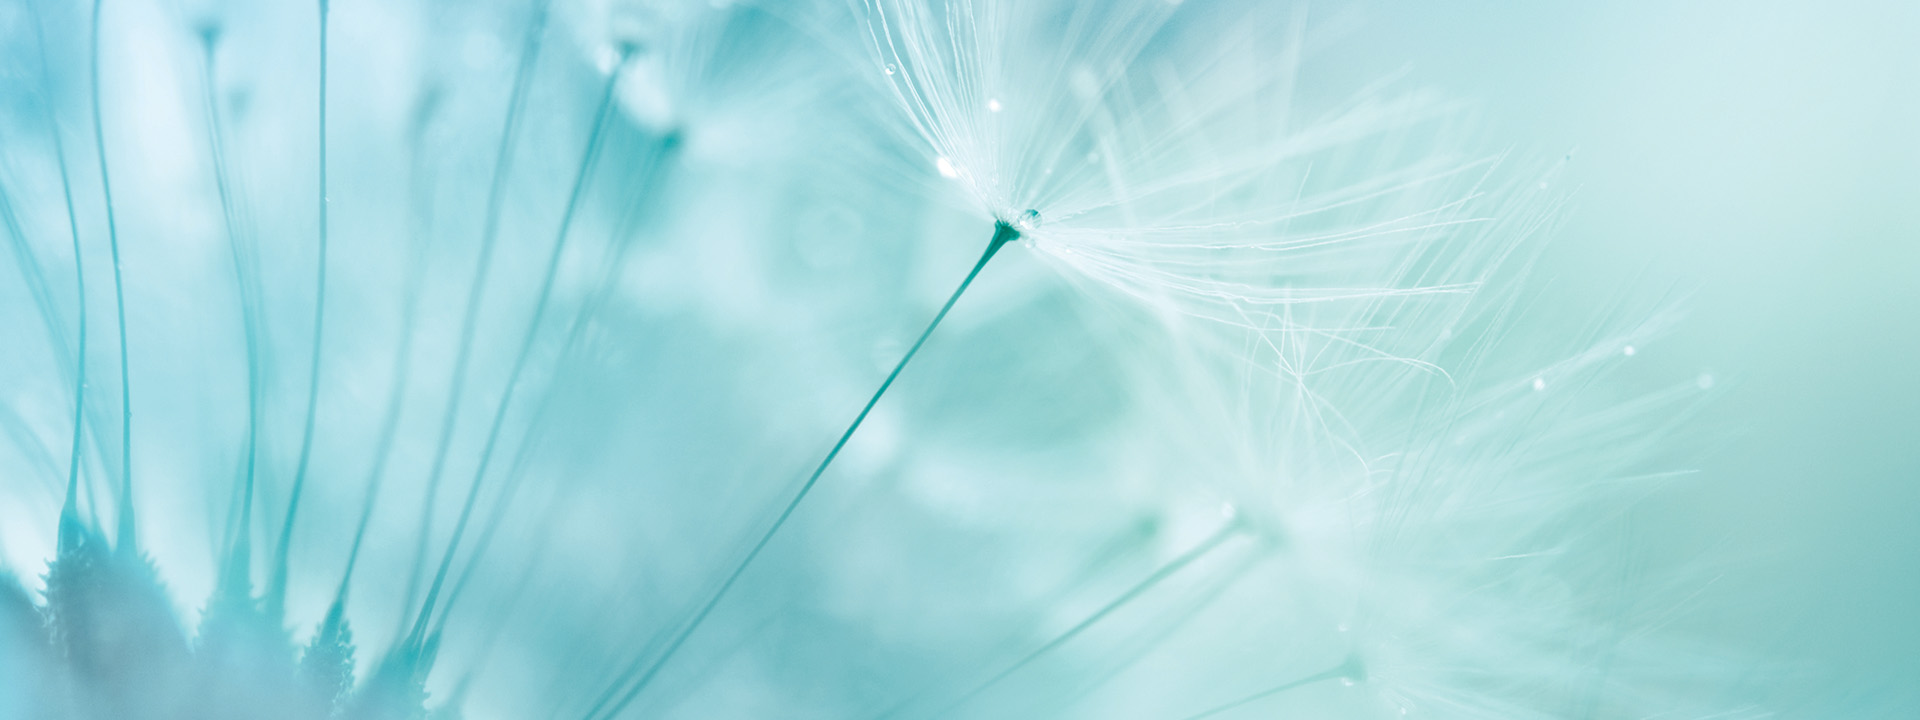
[(1003, 233)]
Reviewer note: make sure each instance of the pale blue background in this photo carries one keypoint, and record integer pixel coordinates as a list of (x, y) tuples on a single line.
[(1766, 157)]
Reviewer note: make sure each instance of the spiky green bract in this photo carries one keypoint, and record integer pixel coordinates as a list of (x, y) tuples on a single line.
[(326, 667), (26, 653), (113, 628)]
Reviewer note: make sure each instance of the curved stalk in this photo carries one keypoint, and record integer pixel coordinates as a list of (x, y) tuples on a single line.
[(588, 160), (470, 321), (233, 579), (124, 537), (277, 584), (69, 532)]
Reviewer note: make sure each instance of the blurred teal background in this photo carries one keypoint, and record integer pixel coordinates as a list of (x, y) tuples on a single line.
[(1756, 163), (1765, 158)]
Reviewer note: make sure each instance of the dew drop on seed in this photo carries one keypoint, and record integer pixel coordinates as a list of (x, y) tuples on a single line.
[(1539, 383), (946, 168), (889, 68), (1028, 221), (1628, 351), (993, 105)]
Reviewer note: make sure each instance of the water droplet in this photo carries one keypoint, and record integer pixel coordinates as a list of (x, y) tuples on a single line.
[(1539, 383), (1628, 351), (946, 168), (993, 105), (889, 68), (1028, 221)]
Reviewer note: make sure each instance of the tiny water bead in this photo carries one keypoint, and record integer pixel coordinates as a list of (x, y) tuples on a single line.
[(1628, 351), (889, 69), (1539, 383), (1028, 221), (993, 105)]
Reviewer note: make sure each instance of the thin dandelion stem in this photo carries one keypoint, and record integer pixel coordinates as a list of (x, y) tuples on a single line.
[(1350, 669), (69, 516), (476, 292), (35, 279), (403, 355), (588, 161), (277, 585), (233, 578), (575, 338), (1003, 233), (1158, 576), (125, 535)]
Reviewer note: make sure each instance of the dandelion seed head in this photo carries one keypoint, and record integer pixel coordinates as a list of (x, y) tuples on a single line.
[(1159, 172)]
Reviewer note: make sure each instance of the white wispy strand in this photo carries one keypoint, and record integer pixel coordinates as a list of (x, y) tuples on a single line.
[(1158, 150)]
